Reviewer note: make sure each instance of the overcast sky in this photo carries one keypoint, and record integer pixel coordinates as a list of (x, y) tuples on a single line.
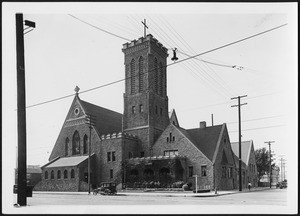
[(62, 52)]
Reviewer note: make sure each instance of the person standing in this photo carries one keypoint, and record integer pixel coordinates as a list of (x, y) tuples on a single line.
[(249, 185)]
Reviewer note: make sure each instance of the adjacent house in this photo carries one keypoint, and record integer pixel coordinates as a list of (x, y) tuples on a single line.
[(249, 169)]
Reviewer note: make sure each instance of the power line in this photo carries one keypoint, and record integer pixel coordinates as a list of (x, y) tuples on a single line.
[(98, 28), (256, 119), (179, 61), (215, 83), (259, 128), (229, 44)]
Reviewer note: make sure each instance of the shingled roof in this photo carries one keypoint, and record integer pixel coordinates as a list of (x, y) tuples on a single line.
[(206, 139), (107, 121), (236, 160), (246, 148)]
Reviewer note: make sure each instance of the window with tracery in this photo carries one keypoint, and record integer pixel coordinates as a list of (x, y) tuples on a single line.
[(161, 80), (76, 143), (132, 75), (155, 76), (85, 144), (141, 74)]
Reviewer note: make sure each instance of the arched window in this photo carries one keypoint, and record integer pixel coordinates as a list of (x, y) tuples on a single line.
[(65, 174), (164, 171), (76, 143), (85, 144), (58, 174), (66, 146), (155, 75), (141, 81), (161, 79), (148, 172), (52, 174), (132, 75), (72, 174), (134, 172), (46, 175)]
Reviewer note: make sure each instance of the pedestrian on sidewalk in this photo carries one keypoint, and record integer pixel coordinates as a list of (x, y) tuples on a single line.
[(249, 185)]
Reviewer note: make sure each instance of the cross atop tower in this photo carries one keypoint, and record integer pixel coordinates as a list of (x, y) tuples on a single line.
[(145, 26)]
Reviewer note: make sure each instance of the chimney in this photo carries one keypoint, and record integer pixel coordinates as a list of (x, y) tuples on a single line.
[(203, 124)]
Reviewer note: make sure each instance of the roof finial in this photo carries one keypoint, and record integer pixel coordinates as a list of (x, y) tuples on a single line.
[(76, 90)]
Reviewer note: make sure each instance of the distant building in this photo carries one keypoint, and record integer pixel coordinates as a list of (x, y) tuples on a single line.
[(34, 174), (144, 144), (249, 168)]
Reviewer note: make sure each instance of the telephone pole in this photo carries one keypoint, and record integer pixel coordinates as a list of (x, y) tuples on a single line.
[(281, 159), (91, 121), (270, 157), (240, 136)]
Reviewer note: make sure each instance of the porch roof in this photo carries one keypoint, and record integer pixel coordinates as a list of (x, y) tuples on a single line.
[(68, 161), (156, 158)]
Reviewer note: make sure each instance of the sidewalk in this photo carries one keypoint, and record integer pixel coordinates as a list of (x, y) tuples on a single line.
[(161, 193)]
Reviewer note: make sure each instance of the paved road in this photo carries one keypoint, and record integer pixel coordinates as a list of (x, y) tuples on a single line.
[(250, 202)]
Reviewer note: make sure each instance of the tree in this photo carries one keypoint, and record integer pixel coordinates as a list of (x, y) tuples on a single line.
[(263, 162)]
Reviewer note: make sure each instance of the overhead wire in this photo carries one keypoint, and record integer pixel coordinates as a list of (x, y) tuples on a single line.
[(126, 29), (258, 128), (99, 28), (256, 119), (209, 79), (179, 61), (219, 81)]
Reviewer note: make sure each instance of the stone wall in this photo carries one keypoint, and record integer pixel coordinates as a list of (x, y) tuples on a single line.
[(62, 184), (195, 158), (225, 183)]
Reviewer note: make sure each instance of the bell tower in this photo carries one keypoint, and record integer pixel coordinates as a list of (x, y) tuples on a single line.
[(145, 97)]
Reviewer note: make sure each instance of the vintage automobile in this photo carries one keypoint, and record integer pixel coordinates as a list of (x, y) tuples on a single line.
[(106, 188)]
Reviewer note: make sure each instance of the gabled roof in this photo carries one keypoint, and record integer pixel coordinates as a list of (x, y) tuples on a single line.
[(107, 121), (236, 159), (205, 139), (173, 118), (68, 161), (246, 149)]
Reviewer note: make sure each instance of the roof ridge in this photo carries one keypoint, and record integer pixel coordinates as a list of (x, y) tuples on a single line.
[(206, 127), (100, 107)]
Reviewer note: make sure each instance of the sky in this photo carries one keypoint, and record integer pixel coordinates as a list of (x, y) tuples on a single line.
[(70, 47)]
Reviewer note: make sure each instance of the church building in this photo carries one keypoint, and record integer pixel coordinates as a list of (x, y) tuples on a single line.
[(145, 143)]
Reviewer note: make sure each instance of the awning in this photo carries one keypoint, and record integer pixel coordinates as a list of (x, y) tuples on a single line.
[(68, 161)]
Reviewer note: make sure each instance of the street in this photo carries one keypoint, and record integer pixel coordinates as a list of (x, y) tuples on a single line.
[(274, 200)]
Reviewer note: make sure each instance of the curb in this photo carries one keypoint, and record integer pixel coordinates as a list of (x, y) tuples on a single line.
[(173, 194)]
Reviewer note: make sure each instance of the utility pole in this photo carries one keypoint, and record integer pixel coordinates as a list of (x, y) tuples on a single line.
[(270, 157), (21, 109), (212, 119), (281, 159), (240, 136), (91, 121)]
